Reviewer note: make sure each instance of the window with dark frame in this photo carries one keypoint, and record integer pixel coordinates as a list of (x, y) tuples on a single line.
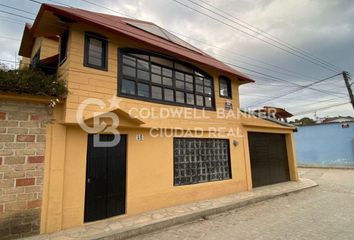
[(36, 59), (198, 160), (159, 79), (225, 87), (63, 49), (96, 51)]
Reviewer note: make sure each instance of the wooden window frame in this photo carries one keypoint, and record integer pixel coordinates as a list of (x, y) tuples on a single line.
[(104, 66)]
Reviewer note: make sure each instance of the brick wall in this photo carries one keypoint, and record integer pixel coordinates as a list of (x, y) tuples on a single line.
[(22, 145)]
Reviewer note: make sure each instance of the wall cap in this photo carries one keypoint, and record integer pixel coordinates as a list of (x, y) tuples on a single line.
[(26, 97)]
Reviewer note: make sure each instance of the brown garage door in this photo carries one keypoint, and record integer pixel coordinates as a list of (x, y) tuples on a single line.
[(269, 160)]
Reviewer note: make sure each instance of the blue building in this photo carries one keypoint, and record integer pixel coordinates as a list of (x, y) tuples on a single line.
[(330, 144)]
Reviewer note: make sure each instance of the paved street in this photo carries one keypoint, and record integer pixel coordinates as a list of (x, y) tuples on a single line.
[(324, 212)]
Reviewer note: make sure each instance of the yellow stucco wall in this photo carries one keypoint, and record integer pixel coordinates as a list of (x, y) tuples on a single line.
[(49, 47), (149, 162)]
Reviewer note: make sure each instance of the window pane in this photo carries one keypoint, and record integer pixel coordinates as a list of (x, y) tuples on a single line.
[(190, 98), (200, 101), (142, 56), (162, 61), (95, 61), (167, 81), (156, 78), (179, 84), (189, 78), (95, 45), (224, 91), (156, 69), (199, 80), (168, 95), (179, 76), (129, 71), (179, 97), (128, 87), (143, 75), (199, 88), (143, 90), (207, 82), (156, 92), (167, 72), (95, 52), (208, 102), (189, 86), (129, 61), (183, 68), (143, 65), (207, 90)]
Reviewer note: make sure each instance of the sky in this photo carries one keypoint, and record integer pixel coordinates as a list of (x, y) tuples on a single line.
[(322, 28)]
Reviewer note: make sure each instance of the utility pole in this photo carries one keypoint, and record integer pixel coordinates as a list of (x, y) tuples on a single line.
[(348, 84)]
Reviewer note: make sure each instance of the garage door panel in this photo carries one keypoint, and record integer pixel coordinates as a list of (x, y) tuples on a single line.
[(269, 162)]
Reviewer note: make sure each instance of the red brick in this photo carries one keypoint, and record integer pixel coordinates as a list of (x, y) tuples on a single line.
[(25, 138), (24, 182), (34, 204), (35, 159), (2, 115)]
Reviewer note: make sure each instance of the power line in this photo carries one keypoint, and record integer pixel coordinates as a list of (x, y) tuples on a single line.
[(240, 30), (272, 37), (14, 8), (298, 74), (319, 109), (17, 15), (253, 71), (298, 89), (228, 50), (281, 80)]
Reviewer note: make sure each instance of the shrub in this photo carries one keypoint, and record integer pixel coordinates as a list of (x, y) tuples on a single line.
[(32, 82)]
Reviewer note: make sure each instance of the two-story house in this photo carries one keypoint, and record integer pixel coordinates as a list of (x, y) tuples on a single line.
[(182, 135)]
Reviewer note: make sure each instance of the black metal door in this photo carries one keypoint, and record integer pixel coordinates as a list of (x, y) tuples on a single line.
[(105, 179), (269, 159)]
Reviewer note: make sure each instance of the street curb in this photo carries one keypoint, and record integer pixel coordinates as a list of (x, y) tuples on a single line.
[(190, 217)]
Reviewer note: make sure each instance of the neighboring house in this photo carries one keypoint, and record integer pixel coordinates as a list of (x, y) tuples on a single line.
[(337, 119), (154, 165), (329, 144), (275, 112)]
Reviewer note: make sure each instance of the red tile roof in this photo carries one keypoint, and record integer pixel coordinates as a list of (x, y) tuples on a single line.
[(117, 25)]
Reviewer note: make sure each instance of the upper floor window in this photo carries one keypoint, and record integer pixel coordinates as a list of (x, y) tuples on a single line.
[(96, 51), (63, 46), (35, 59), (159, 79), (225, 87)]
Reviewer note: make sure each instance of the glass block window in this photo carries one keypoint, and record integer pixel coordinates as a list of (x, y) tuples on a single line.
[(198, 160), (153, 78)]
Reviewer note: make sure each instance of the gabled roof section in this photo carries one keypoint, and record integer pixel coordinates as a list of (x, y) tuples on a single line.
[(26, 42), (141, 31)]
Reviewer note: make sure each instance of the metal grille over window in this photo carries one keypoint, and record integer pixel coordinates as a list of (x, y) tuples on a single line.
[(201, 160), (162, 80)]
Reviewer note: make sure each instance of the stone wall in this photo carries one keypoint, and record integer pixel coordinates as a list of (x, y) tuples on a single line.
[(22, 146)]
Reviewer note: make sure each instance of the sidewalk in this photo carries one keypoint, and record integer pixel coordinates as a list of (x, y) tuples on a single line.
[(124, 227)]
